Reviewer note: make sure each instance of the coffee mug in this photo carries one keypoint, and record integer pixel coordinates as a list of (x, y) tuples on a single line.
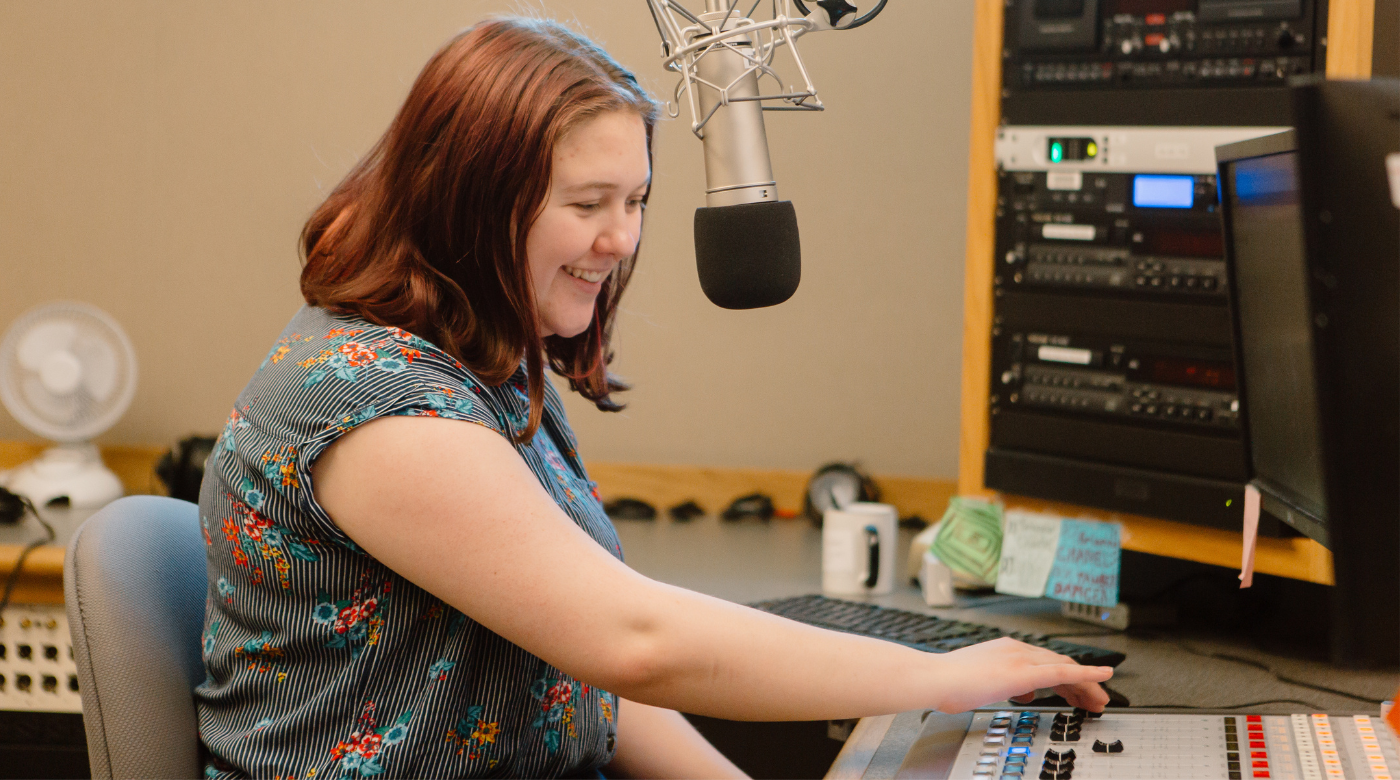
[(858, 549)]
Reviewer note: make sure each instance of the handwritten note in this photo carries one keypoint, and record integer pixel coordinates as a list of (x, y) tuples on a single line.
[(1028, 545), (1087, 562)]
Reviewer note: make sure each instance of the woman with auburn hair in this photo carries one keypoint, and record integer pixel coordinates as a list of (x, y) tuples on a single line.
[(393, 591)]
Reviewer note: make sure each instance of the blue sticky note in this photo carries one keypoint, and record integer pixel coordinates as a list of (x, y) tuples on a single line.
[(1086, 564)]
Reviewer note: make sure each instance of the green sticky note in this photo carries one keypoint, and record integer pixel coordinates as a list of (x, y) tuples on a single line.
[(969, 539)]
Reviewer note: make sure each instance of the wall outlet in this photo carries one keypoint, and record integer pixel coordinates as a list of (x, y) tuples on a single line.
[(37, 671)]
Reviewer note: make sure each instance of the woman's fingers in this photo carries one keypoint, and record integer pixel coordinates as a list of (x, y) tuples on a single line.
[(1079, 685), (1004, 668), (1090, 697)]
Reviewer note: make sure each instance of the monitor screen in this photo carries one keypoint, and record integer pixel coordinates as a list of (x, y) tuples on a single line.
[(1276, 328)]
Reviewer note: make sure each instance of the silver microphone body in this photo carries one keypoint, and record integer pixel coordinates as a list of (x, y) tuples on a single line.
[(737, 166)]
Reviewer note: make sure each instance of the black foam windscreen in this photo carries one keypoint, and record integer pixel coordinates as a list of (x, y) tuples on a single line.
[(748, 255)]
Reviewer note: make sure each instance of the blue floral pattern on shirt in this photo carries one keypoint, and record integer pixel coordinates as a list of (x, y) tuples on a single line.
[(309, 641)]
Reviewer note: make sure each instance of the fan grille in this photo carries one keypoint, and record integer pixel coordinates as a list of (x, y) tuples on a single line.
[(94, 344)]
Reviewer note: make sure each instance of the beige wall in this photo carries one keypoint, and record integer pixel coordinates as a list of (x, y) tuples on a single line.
[(158, 158)]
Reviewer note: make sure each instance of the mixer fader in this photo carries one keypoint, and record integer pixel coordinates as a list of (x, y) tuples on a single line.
[(1122, 745)]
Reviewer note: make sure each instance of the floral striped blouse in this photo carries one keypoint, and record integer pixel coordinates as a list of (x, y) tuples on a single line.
[(321, 661)]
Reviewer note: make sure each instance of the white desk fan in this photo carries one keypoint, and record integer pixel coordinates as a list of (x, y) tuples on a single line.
[(67, 373)]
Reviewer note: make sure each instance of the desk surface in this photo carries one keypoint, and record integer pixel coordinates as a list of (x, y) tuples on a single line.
[(750, 561)]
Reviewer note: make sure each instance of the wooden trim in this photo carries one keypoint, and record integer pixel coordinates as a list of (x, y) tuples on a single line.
[(665, 486), (661, 486), (860, 747), (981, 232), (41, 580), (1297, 557), (1350, 38)]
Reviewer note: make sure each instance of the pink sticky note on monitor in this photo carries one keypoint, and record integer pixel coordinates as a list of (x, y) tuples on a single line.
[(1251, 535)]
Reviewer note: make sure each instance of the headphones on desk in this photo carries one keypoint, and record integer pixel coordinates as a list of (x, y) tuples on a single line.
[(835, 485)]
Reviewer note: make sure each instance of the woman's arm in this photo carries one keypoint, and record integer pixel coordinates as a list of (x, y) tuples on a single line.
[(660, 744), (452, 507)]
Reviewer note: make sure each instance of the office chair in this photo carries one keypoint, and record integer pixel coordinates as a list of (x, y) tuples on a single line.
[(134, 583)]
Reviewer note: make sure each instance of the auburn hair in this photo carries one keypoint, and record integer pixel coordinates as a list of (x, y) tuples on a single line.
[(427, 232)]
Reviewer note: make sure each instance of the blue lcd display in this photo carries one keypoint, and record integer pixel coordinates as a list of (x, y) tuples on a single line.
[(1164, 192)]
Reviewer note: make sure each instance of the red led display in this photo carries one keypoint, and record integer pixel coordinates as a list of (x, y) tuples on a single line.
[(1184, 243), (1145, 7), (1193, 373)]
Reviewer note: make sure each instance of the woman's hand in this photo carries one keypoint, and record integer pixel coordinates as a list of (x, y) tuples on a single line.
[(1007, 669)]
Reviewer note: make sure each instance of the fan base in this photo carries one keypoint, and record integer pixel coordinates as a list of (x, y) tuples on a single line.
[(68, 471)]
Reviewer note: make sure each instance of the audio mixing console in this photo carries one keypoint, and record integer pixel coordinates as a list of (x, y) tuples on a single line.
[(1123, 745)]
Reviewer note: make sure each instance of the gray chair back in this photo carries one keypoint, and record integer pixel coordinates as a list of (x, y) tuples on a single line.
[(134, 584)]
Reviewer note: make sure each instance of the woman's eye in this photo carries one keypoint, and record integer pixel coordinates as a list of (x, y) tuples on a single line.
[(587, 206)]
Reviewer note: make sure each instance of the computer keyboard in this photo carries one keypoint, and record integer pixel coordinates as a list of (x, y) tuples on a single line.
[(922, 632)]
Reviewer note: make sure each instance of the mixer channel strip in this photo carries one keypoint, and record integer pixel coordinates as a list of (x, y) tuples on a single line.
[(922, 632), (1123, 745)]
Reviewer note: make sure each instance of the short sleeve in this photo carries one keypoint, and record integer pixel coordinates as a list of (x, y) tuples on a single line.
[(339, 375)]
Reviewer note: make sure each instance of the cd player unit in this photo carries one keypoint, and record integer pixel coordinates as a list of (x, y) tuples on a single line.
[(1191, 389)]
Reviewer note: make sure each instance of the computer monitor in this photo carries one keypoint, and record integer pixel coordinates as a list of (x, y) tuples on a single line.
[(1313, 256)]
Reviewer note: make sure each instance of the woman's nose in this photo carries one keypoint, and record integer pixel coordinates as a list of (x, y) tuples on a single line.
[(619, 238)]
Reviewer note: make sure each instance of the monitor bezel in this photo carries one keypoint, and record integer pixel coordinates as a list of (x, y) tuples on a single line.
[(1276, 499)]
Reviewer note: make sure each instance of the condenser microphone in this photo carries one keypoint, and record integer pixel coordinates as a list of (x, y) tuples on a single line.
[(746, 244)]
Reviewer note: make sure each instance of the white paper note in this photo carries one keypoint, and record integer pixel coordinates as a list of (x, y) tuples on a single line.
[(1028, 548), (1251, 535)]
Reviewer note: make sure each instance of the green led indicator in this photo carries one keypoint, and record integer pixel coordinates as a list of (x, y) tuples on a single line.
[(1057, 152), (1229, 501), (1092, 150)]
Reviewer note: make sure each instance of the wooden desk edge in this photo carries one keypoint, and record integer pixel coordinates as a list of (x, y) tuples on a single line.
[(1297, 557), (860, 747), (41, 579)]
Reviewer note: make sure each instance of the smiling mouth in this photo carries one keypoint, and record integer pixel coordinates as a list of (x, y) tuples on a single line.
[(587, 276)]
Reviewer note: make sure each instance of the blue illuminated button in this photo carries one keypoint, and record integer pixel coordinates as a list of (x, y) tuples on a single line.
[(1018, 751)]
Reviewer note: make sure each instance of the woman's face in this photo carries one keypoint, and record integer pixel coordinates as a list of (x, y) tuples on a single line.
[(591, 219)]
